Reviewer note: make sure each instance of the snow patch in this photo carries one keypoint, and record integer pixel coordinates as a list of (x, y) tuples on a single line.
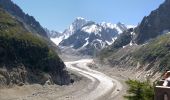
[(111, 42), (131, 43), (57, 40), (133, 33), (80, 18), (130, 26), (102, 44), (87, 42), (119, 27), (92, 29), (107, 25), (124, 46), (165, 31), (119, 30)]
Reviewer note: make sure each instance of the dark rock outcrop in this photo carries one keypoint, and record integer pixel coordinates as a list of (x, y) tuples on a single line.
[(157, 23), (123, 39)]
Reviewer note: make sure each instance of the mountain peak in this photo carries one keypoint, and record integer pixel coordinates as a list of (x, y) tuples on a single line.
[(92, 35), (119, 23), (119, 26), (76, 25), (108, 25), (80, 18), (79, 21)]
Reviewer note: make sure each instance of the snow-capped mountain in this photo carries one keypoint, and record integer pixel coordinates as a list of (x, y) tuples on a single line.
[(119, 26), (88, 36), (78, 23), (55, 36), (52, 34)]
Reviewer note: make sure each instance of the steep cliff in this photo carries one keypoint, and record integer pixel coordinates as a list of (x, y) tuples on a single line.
[(25, 57), (157, 23)]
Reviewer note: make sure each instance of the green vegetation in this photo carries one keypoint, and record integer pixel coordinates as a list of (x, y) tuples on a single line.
[(139, 90), (8, 25), (28, 55), (106, 52), (156, 50), (18, 46)]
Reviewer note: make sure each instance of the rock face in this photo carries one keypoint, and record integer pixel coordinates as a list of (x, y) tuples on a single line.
[(152, 26), (151, 53), (26, 58), (157, 23), (29, 22), (123, 39)]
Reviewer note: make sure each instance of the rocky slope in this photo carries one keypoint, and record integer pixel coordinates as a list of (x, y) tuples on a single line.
[(157, 23), (26, 58), (145, 47), (153, 25)]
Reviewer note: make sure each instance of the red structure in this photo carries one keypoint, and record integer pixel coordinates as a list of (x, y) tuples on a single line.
[(162, 92)]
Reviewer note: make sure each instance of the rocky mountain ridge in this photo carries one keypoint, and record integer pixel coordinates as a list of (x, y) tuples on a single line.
[(29, 21), (87, 36), (145, 47), (153, 25)]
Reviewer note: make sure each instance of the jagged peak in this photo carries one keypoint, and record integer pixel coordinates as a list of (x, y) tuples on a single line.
[(80, 18), (119, 23), (76, 25)]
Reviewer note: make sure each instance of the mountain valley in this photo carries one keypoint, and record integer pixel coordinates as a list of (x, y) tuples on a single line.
[(87, 61)]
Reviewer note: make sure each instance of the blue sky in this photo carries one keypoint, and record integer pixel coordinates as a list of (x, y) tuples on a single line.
[(59, 14)]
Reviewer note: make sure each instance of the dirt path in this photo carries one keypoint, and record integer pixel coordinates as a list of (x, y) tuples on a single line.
[(94, 86), (101, 87)]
